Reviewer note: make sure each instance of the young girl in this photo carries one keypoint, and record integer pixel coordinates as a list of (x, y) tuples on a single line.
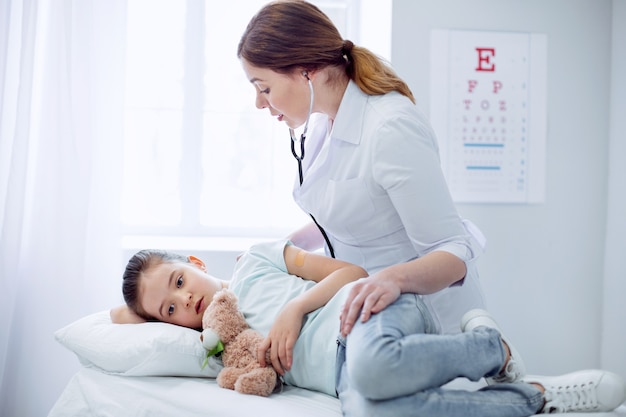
[(394, 364), (300, 316)]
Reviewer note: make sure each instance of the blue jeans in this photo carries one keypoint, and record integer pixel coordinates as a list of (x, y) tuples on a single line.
[(395, 365)]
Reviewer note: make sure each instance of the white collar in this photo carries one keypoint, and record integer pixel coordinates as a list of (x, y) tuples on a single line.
[(348, 122)]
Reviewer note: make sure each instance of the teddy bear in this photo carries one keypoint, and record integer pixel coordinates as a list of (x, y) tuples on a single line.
[(224, 325)]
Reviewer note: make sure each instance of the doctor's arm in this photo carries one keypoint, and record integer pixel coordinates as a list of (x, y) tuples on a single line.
[(425, 275), (407, 167), (307, 237), (330, 275)]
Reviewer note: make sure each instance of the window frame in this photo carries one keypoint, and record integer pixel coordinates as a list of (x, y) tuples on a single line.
[(193, 109)]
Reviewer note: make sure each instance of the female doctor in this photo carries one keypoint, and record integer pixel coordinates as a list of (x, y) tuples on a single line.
[(369, 175), (369, 169)]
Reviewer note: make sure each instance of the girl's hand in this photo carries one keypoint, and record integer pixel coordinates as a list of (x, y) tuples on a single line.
[(367, 296), (124, 315), (281, 339)]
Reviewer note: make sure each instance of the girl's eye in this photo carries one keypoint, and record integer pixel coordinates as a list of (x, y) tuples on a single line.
[(179, 282), (170, 310), (265, 91)]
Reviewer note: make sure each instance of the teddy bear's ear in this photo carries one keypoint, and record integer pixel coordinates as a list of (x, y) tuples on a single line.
[(220, 295), (230, 295)]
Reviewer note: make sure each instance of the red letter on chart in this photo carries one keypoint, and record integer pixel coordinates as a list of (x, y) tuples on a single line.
[(484, 59)]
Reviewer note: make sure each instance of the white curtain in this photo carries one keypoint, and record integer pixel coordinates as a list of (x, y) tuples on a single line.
[(61, 125)]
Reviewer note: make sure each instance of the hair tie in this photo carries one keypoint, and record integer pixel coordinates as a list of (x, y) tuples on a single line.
[(346, 50)]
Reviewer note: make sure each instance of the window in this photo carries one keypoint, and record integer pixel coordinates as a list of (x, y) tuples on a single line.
[(200, 159)]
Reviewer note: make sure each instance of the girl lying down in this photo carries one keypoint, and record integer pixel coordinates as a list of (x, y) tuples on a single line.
[(392, 363)]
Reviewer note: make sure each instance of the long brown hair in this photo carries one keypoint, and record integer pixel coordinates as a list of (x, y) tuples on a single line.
[(288, 35)]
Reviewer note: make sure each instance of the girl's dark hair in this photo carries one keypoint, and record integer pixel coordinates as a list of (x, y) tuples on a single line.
[(288, 35), (136, 266)]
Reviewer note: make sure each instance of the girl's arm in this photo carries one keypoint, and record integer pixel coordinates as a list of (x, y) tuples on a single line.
[(124, 315), (330, 275)]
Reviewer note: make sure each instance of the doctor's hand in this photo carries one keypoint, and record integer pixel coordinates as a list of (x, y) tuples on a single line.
[(281, 340), (368, 296)]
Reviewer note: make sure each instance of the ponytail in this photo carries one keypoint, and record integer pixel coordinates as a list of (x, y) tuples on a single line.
[(293, 34), (371, 73)]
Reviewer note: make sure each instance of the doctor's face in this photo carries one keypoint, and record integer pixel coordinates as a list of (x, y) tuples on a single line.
[(286, 96)]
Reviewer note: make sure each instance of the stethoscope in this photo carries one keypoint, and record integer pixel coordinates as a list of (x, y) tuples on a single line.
[(292, 133), (300, 157)]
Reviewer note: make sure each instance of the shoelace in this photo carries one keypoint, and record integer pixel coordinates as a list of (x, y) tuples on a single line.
[(562, 399)]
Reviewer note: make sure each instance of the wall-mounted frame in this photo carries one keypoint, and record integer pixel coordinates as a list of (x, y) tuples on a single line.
[(488, 108)]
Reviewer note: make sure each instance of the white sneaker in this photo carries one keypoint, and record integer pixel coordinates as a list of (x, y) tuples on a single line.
[(582, 391), (515, 368)]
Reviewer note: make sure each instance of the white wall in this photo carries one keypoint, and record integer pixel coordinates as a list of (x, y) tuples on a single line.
[(614, 331), (544, 268)]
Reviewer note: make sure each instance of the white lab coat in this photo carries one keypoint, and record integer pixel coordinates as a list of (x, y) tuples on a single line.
[(374, 183)]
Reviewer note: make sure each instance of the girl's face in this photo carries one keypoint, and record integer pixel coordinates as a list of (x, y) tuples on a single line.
[(286, 96), (177, 293)]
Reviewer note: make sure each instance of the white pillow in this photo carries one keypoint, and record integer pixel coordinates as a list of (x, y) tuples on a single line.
[(146, 349)]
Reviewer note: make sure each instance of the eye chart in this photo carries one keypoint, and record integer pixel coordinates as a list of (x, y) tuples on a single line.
[(488, 108)]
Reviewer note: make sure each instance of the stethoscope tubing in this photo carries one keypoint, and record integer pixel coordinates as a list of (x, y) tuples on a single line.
[(292, 133), (300, 157)]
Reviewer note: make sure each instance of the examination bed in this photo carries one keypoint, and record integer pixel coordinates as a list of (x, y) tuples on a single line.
[(155, 369)]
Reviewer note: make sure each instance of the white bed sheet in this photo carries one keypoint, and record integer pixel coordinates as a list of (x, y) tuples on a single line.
[(91, 393)]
